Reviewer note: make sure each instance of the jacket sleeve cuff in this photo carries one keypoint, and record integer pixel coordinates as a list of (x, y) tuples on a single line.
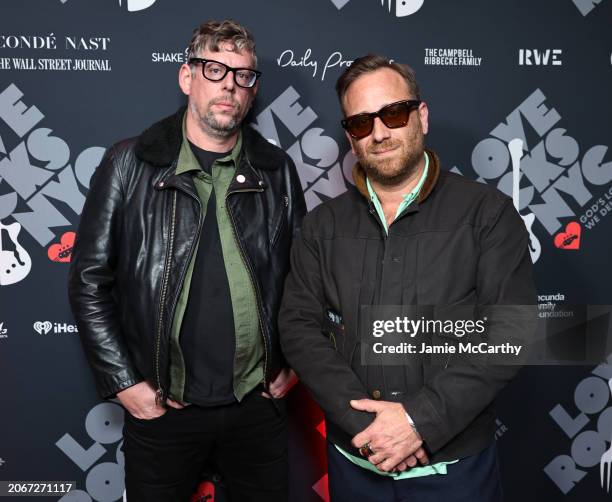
[(109, 385), (426, 420), (354, 421)]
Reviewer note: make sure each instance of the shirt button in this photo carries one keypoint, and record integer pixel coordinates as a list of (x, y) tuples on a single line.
[(376, 394)]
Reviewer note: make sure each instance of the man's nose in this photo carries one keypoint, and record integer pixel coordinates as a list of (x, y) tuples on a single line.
[(228, 81), (380, 131)]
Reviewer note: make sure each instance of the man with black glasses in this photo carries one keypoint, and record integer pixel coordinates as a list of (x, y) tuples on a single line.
[(412, 235), (176, 281)]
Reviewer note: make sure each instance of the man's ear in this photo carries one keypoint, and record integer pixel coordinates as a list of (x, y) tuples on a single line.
[(350, 140), (185, 78), (424, 117)]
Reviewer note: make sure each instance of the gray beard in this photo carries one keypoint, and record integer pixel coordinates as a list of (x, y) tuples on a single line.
[(214, 127)]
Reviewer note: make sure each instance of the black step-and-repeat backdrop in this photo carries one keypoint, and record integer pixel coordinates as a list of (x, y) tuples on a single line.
[(76, 76)]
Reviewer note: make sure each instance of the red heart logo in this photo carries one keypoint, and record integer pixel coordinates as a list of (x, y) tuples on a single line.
[(570, 239), (62, 252)]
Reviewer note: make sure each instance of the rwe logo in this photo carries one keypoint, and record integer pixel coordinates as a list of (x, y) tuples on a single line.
[(536, 57)]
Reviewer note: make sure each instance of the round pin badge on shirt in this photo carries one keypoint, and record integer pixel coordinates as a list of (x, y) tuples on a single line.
[(240, 178)]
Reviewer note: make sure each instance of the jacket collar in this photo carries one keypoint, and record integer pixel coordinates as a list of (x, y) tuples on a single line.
[(359, 177), (160, 144)]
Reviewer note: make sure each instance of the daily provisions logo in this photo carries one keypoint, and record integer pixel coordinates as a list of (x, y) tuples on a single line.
[(334, 60), (37, 171), (558, 183), (402, 8)]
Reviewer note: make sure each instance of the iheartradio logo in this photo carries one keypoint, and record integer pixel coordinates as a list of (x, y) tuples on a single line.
[(45, 327), (42, 328)]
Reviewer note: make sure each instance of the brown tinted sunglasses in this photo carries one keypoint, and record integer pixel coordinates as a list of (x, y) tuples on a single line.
[(393, 115)]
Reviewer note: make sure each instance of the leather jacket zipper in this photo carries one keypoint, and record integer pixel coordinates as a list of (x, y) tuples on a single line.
[(159, 393)]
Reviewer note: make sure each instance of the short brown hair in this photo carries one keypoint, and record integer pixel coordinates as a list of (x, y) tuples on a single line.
[(370, 63), (211, 34)]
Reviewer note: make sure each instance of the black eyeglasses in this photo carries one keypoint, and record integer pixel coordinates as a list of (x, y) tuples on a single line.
[(393, 115), (215, 71)]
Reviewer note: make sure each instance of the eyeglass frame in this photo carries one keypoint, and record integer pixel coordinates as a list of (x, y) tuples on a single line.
[(203, 61), (412, 104)]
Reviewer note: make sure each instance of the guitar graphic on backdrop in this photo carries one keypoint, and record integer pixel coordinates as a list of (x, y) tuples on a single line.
[(15, 262), (515, 146)]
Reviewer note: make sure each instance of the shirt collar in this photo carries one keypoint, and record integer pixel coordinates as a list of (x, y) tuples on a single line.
[(409, 197), (187, 160)]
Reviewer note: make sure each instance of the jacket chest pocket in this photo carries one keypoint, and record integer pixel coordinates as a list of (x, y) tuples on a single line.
[(279, 221)]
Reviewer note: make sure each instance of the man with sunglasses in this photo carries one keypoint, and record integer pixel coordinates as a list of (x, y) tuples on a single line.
[(413, 235), (176, 281)]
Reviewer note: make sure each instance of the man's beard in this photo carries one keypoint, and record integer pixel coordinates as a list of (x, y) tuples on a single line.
[(215, 127), (393, 171)]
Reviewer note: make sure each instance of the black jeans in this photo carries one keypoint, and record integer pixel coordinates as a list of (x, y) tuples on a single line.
[(246, 443)]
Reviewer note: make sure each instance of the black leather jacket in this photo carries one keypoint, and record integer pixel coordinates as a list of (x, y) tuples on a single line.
[(138, 230)]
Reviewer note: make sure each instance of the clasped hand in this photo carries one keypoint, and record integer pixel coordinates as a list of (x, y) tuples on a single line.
[(396, 446)]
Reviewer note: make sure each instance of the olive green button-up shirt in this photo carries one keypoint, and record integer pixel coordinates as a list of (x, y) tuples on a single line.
[(249, 351)]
